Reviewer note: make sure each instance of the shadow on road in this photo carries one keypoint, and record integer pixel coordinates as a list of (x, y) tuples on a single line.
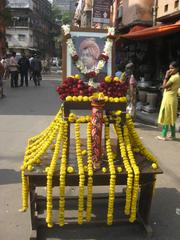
[(165, 221), (9, 176)]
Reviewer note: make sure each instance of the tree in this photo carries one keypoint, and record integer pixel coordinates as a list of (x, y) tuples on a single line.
[(60, 17), (5, 14)]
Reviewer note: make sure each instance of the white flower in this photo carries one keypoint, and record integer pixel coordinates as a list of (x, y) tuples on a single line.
[(90, 82), (100, 64), (111, 31), (97, 71), (108, 47), (66, 29)]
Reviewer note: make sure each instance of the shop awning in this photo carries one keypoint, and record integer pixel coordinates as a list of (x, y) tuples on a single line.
[(151, 32)]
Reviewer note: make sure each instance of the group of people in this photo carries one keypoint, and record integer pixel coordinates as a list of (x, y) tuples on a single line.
[(27, 68)]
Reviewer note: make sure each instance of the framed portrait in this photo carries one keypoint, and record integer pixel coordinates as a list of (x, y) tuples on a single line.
[(89, 44)]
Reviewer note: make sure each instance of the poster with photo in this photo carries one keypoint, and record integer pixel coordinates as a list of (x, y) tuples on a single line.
[(89, 45)]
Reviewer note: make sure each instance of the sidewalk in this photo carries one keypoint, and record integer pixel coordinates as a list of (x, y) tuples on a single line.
[(151, 119)]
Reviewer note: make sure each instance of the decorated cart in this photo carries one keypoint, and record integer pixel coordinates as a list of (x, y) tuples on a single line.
[(92, 158)]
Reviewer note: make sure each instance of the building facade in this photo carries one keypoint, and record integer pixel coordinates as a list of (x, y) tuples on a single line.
[(2, 29), (31, 25), (168, 10), (65, 5), (134, 12)]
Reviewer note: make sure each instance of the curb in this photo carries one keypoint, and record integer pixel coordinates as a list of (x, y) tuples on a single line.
[(146, 119), (152, 120)]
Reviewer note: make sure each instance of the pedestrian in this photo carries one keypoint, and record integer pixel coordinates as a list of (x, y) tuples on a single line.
[(30, 70), (5, 64), (2, 70), (36, 68), (168, 110), (24, 69), (13, 67), (128, 76)]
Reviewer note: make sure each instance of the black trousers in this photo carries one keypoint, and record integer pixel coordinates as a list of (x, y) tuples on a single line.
[(14, 79), (36, 78), (24, 76)]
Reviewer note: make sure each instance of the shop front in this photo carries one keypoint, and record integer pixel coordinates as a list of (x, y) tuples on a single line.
[(151, 50)]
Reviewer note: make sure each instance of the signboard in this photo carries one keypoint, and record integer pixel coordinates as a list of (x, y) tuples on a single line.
[(101, 11), (20, 4)]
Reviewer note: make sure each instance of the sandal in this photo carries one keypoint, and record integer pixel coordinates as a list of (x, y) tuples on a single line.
[(161, 138), (170, 138)]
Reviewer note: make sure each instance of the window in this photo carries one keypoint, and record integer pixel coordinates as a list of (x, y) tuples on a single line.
[(166, 8), (176, 4), (9, 37), (21, 37), (31, 38)]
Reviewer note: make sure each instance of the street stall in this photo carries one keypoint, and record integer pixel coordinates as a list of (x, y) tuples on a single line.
[(151, 49), (92, 158)]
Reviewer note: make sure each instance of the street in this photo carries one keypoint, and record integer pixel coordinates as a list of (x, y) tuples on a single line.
[(24, 113)]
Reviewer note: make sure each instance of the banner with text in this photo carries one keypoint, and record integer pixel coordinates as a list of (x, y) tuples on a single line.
[(101, 11)]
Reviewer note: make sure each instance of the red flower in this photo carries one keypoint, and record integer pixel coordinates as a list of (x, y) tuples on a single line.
[(111, 36), (104, 57), (91, 74)]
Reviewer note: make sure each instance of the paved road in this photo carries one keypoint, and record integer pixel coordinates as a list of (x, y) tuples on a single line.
[(27, 111)]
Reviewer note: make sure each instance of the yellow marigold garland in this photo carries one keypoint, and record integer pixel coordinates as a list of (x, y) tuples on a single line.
[(128, 139), (81, 173), (36, 148), (25, 192), (44, 132), (127, 168), (90, 173), (136, 175), (112, 176), (34, 158), (50, 173), (138, 142), (62, 175)]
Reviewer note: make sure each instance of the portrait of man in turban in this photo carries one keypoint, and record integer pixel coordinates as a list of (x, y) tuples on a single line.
[(89, 46), (89, 53)]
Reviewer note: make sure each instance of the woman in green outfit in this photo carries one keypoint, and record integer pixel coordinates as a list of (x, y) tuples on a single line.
[(168, 110)]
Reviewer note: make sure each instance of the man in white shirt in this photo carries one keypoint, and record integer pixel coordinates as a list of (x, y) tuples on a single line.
[(13, 67)]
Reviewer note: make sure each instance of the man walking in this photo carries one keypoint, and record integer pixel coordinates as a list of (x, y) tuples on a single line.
[(36, 68), (24, 68), (1, 80)]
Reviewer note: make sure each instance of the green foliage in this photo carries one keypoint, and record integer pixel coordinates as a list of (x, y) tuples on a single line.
[(5, 15), (59, 17), (67, 18)]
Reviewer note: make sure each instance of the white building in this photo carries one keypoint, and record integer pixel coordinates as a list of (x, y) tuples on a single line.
[(31, 26), (65, 5)]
